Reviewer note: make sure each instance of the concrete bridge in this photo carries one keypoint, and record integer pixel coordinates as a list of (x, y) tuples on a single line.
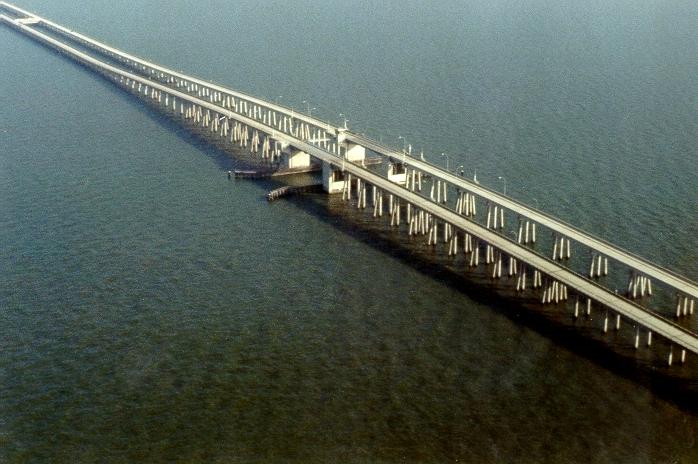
[(455, 214)]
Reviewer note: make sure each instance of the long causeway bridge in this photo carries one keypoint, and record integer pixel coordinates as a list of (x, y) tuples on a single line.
[(455, 215)]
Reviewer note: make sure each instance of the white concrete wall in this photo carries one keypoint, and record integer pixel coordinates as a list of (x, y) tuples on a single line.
[(397, 178), (292, 158), (355, 152), (328, 183)]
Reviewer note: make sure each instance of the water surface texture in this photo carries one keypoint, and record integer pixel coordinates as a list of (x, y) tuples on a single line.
[(153, 311)]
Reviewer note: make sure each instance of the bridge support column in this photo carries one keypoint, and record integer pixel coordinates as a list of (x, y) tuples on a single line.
[(637, 337), (355, 152), (605, 322), (576, 308), (527, 231), (332, 178), (521, 277), (352, 151), (599, 266), (561, 248), (684, 305), (397, 173), (475, 254), (639, 285), (453, 244)]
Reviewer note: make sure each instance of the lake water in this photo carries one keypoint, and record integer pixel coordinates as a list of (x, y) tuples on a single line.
[(153, 311)]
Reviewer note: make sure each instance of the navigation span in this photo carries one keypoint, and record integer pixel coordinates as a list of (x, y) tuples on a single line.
[(533, 252)]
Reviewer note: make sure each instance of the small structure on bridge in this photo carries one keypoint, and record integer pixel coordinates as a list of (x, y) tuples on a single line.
[(293, 158), (397, 172), (332, 178)]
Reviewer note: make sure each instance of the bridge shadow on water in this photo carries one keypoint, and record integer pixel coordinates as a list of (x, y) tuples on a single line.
[(226, 155), (583, 336)]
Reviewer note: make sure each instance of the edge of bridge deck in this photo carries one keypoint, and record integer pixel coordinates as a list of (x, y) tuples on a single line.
[(582, 285)]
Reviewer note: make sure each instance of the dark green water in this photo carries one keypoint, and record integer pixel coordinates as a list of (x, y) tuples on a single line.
[(152, 311)]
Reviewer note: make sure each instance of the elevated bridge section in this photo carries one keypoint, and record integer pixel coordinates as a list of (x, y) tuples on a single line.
[(642, 270), (239, 119)]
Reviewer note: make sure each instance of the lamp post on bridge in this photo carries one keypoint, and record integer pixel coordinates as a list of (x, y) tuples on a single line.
[(505, 183), (279, 97), (447, 160), (310, 110), (341, 115), (461, 168), (404, 146)]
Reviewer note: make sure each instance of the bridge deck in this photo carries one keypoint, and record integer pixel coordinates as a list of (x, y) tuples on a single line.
[(582, 285)]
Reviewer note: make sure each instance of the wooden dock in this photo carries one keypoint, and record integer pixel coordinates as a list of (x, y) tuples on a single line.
[(288, 190)]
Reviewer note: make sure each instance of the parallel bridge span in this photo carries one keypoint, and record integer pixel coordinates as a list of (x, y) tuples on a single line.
[(453, 221), (631, 260), (643, 266), (114, 52)]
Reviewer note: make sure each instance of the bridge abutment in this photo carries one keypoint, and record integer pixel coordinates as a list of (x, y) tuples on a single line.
[(332, 179), (293, 158), (397, 173), (352, 151)]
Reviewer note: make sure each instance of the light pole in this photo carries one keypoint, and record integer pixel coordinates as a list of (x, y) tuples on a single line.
[(278, 98), (461, 168), (341, 115), (447, 160), (403, 142), (310, 110), (505, 183)]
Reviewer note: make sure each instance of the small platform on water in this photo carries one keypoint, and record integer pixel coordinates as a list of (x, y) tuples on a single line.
[(288, 190), (271, 172)]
